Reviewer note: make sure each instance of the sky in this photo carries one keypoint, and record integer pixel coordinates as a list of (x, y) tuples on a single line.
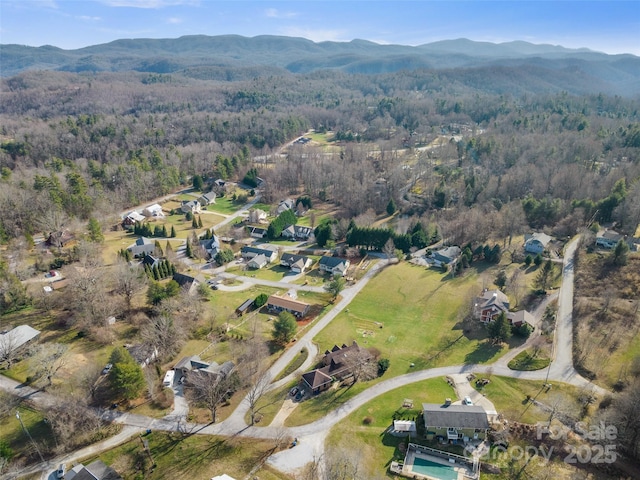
[(607, 26)]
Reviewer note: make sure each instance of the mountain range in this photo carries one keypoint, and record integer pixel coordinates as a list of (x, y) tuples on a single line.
[(201, 55)]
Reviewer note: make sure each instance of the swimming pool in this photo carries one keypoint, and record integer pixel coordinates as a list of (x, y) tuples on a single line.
[(435, 470)]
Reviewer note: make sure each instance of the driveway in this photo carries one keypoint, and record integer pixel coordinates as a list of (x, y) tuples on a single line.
[(463, 388)]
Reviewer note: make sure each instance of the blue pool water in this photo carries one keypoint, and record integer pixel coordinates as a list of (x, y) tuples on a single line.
[(435, 470)]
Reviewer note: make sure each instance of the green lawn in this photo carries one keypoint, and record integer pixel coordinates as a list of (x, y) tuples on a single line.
[(509, 395), (17, 439), (409, 314), (185, 457), (363, 432), (295, 364), (273, 272), (225, 205), (526, 361)]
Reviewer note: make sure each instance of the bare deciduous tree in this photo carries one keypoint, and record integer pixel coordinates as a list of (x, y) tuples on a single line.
[(130, 279), (9, 344), (210, 390), (46, 360)]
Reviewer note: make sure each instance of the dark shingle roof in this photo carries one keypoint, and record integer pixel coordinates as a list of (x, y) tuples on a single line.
[(458, 416)]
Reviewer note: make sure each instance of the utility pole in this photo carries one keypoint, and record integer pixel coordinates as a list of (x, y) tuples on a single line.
[(35, 445)]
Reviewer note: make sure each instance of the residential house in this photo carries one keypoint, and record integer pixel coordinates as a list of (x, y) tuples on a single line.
[(297, 232), (536, 243), (284, 205), (520, 318), (154, 210), (96, 470), (207, 198), (257, 232), (455, 422), (297, 263), (258, 262), (211, 246), (334, 265), (143, 246), (490, 304), (337, 364), (132, 218), (16, 338), (317, 381), (248, 253), (60, 238), (151, 261), (608, 239), (246, 305), (279, 304), (195, 365), (142, 353), (445, 256), (187, 282), (190, 206), (58, 284)]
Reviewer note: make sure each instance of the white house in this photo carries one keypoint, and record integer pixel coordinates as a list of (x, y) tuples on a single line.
[(536, 242), (154, 210), (334, 265)]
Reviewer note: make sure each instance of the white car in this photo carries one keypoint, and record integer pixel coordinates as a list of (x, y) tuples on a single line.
[(61, 471), (467, 401)]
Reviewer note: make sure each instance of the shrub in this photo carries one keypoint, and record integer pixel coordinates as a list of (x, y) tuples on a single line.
[(367, 420), (383, 366)]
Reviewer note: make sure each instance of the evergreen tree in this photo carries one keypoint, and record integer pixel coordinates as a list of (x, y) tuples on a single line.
[(187, 250), (199, 221), (173, 231), (391, 207), (156, 273), (194, 222), (499, 329), (284, 328), (164, 231), (95, 231)]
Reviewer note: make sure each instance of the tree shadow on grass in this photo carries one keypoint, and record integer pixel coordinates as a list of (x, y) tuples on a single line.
[(483, 352)]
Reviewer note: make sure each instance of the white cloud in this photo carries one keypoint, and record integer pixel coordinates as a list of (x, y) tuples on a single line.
[(174, 20), (88, 18), (149, 3), (274, 13), (317, 35)]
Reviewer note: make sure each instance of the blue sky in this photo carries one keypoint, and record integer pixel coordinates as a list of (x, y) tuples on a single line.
[(608, 26)]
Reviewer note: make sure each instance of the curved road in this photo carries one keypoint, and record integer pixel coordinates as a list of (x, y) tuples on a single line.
[(312, 435)]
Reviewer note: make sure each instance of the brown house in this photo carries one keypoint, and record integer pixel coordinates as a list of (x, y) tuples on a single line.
[(278, 304), (338, 365)]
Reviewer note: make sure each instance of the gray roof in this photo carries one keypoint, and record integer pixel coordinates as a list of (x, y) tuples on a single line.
[(458, 416), (97, 471), (543, 238), (331, 262), (20, 335)]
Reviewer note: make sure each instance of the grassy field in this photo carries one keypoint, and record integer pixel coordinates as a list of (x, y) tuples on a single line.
[(410, 314), (366, 426), (12, 433), (295, 363), (187, 457), (273, 272)]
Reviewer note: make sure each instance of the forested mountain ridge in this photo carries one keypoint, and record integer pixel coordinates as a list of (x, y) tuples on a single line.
[(229, 57)]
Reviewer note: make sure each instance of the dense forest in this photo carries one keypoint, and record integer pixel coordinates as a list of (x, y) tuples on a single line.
[(82, 145)]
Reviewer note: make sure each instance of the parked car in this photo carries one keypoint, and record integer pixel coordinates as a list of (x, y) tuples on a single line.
[(467, 401), (107, 368), (301, 395), (293, 391), (61, 471)]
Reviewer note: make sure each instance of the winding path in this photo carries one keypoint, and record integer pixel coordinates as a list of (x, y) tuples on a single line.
[(311, 436)]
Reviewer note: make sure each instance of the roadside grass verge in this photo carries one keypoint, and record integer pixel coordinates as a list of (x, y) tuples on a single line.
[(185, 457), (294, 364), (527, 361)]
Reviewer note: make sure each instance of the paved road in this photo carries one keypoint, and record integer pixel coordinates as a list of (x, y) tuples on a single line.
[(312, 435)]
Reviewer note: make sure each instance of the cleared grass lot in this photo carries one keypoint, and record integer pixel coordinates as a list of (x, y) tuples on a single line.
[(410, 314)]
